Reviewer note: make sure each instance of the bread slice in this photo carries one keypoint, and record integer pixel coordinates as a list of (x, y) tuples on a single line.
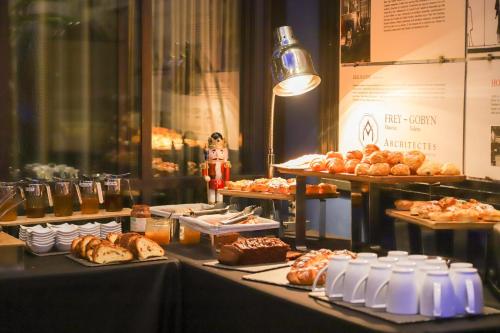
[(83, 245), (106, 253), (74, 245), (146, 248), (113, 237), (123, 240)]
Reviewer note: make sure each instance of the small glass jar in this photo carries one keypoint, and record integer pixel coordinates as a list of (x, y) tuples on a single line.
[(188, 236), (159, 230), (139, 217)]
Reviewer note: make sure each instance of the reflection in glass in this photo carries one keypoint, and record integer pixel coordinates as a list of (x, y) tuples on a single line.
[(73, 90), (195, 82)]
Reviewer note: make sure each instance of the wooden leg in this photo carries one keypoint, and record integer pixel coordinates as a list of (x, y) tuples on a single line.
[(300, 217), (322, 219), (428, 241), (402, 235)]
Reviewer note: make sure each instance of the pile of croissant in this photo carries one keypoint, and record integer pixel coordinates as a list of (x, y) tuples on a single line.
[(115, 248), (372, 161), (450, 209), (305, 269)]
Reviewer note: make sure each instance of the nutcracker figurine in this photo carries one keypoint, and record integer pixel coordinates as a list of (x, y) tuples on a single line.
[(216, 168)]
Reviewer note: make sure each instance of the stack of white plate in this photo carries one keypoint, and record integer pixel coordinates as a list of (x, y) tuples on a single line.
[(65, 235), (23, 233), (90, 229), (112, 226), (40, 239)]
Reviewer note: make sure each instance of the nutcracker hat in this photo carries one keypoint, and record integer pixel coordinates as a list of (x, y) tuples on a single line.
[(216, 141)]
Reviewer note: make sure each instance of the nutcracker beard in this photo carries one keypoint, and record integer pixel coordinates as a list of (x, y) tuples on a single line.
[(217, 168), (218, 172)]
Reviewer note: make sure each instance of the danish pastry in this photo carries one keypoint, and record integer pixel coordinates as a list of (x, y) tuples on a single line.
[(429, 169), (377, 157), (318, 164), (395, 157), (450, 169), (327, 188), (466, 215), (350, 165), (370, 148), (335, 165), (361, 169), (379, 169), (306, 267), (354, 155), (414, 159), (492, 216), (403, 204), (334, 154), (400, 170), (312, 189)]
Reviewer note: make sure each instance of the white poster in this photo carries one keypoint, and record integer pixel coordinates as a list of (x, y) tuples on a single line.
[(417, 29), (404, 107), (482, 120), (483, 26)]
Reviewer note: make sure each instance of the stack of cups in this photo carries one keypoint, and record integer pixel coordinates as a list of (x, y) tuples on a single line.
[(404, 284)]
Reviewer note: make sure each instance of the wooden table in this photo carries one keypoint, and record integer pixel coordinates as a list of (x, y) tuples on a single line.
[(363, 201), (77, 216)]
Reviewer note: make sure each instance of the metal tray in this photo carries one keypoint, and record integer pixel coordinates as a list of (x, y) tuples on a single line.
[(87, 263), (207, 228), (175, 211)]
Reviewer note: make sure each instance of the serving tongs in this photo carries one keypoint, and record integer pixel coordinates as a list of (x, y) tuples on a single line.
[(243, 215), (209, 211)]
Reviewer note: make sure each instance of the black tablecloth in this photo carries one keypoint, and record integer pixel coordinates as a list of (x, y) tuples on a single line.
[(55, 294), (220, 301)]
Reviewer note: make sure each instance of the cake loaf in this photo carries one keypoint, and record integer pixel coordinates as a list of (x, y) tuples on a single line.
[(253, 251)]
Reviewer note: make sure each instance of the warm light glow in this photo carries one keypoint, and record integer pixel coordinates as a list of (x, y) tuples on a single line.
[(297, 85)]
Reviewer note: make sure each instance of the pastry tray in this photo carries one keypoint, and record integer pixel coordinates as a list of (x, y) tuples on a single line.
[(176, 211), (394, 318), (248, 268), (87, 263), (439, 225), (276, 277), (207, 228)]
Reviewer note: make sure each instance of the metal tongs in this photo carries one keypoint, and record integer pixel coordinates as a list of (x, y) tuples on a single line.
[(209, 211), (244, 214)]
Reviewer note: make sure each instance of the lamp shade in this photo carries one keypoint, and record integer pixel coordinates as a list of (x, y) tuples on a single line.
[(292, 66)]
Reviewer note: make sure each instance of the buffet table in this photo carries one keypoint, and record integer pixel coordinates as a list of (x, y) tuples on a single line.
[(220, 301), (55, 294)]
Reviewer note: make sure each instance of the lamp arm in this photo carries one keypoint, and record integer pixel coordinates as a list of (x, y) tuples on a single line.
[(270, 154)]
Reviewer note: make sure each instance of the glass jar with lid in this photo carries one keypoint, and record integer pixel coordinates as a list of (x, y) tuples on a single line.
[(139, 217)]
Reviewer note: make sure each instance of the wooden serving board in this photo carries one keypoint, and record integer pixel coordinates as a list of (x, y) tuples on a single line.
[(439, 225), (77, 216), (373, 179), (273, 196)]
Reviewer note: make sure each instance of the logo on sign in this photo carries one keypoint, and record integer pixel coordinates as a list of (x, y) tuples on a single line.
[(368, 130)]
